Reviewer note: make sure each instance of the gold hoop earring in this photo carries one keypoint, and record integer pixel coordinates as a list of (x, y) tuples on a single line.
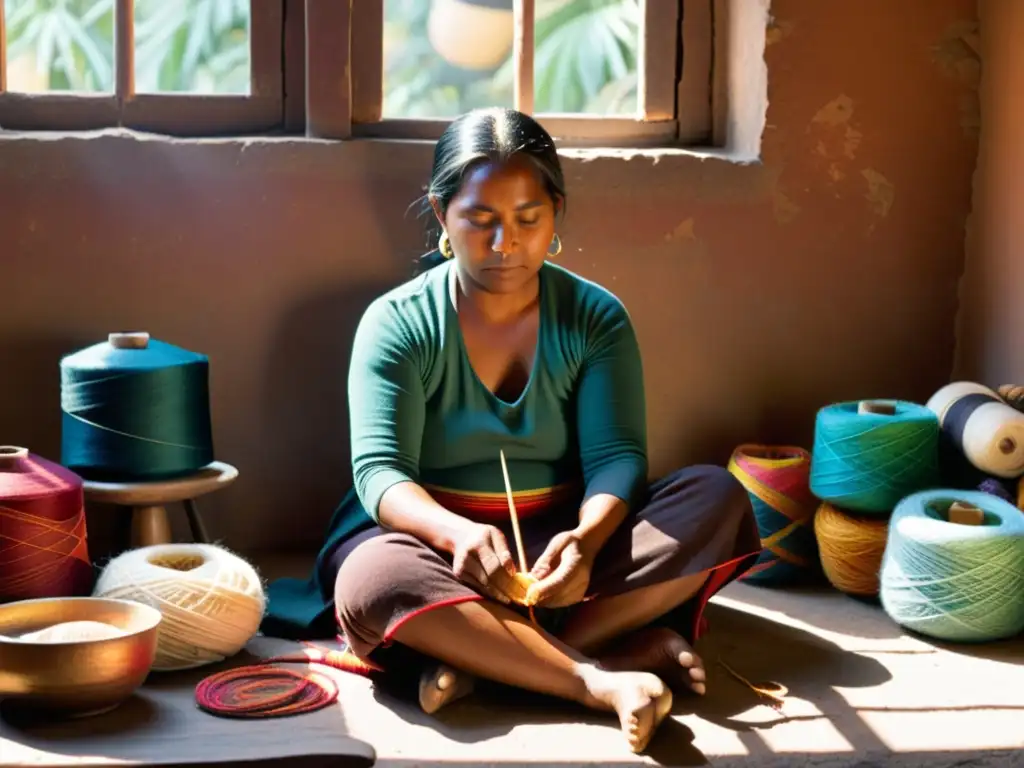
[(556, 240), (444, 245)]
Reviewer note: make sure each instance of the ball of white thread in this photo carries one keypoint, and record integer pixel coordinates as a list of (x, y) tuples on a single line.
[(212, 601)]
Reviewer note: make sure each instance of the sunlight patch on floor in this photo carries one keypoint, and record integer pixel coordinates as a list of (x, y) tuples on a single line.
[(950, 730)]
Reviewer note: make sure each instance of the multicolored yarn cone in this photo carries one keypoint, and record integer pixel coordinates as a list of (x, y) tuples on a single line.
[(777, 479)]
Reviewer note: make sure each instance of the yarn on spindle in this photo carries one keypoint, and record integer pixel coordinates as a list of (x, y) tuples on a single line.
[(135, 409), (44, 549), (867, 455), (951, 581), (851, 547), (211, 600), (776, 479), (977, 422)]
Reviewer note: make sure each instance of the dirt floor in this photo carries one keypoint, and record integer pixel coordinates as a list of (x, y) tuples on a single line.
[(861, 693)]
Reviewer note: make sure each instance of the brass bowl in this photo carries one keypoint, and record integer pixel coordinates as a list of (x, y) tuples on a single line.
[(75, 678)]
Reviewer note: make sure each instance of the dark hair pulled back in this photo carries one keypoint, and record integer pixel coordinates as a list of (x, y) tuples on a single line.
[(482, 135)]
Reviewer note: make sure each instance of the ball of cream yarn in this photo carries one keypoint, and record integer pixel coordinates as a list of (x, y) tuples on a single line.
[(211, 599)]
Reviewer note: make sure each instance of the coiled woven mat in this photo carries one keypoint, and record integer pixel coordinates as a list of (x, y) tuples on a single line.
[(264, 690)]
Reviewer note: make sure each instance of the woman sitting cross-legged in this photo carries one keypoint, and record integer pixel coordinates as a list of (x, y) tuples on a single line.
[(496, 349)]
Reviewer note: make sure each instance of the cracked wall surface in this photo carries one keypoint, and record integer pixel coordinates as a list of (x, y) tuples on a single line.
[(990, 326)]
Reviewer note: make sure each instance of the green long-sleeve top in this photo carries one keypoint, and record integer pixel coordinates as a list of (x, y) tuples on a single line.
[(418, 412)]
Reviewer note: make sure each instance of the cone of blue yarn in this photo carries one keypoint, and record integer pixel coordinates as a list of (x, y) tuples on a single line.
[(868, 455), (135, 409), (953, 581)]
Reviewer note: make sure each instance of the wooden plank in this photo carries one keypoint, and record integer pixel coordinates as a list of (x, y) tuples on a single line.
[(694, 103), (658, 51), (295, 66), (720, 73), (367, 61), (58, 111), (266, 48), (328, 74), (196, 115), (124, 50), (567, 130), (523, 27), (3, 50)]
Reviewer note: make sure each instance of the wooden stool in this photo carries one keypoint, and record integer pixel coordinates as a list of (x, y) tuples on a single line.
[(149, 523)]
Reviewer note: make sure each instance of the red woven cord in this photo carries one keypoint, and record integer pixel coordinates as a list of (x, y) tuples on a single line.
[(264, 690)]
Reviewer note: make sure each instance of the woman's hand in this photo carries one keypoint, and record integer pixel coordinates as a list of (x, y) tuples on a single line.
[(563, 572), (481, 559)]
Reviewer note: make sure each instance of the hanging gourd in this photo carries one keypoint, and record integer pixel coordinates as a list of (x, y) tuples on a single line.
[(471, 34)]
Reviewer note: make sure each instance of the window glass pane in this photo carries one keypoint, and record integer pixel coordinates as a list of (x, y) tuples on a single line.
[(192, 46), (585, 56), (444, 57), (60, 46)]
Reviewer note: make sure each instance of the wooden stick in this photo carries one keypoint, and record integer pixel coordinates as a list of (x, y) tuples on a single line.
[(513, 515)]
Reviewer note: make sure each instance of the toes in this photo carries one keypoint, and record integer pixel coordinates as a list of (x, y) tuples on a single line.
[(698, 678), (446, 679), (639, 727), (641, 724), (442, 685)]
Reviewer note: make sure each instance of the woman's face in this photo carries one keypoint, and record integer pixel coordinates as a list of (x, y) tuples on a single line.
[(501, 224)]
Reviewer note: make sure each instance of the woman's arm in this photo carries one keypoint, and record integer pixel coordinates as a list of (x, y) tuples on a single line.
[(612, 425), (408, 508), (386, 406)]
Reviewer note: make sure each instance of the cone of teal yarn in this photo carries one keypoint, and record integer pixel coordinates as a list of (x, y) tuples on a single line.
[(135, 409), (952, 581), (868, 455)]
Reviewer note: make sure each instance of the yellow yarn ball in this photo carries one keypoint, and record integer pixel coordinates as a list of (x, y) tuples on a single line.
[(212, 601), (851, 549)]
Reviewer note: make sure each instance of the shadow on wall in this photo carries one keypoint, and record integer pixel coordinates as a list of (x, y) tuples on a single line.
[(310, 354)]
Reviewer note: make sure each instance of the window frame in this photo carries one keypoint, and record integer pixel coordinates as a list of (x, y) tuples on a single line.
[(344, 73), (172, 114)]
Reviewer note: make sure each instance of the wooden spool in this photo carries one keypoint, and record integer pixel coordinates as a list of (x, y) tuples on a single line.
[(879, 407), (148, 500), (962, 513)]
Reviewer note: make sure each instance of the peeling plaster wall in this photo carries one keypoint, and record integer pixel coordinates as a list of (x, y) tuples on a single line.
[(991, 322), (760, 291)]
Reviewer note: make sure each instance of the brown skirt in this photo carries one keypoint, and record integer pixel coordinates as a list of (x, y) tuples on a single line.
[(696, 519)]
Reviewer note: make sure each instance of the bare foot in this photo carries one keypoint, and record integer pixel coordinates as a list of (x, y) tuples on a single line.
[(441, 685), (658, 650), (641, 700)]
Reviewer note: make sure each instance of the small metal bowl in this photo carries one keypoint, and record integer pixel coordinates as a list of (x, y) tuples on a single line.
[(81, 677)]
